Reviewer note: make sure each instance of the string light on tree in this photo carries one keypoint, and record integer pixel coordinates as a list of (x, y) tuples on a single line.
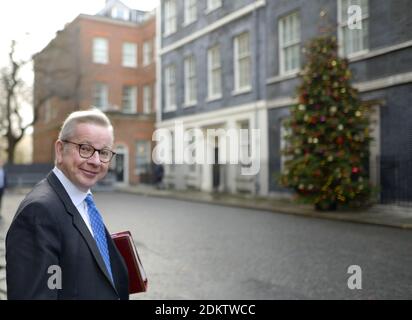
[(328, 142)]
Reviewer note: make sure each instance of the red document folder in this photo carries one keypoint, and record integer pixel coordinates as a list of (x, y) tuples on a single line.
[(137, 276)]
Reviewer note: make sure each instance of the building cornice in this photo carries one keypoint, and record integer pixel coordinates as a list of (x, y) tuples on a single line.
[(364, 86), (211, 116), (382, 51), (113, 21), (215, 25), (381, 83)]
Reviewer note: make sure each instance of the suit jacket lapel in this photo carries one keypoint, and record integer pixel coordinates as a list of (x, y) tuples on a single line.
[(79, 223)]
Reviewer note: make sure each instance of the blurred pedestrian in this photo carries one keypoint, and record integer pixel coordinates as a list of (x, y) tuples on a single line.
[(57, 246), (159, 173)]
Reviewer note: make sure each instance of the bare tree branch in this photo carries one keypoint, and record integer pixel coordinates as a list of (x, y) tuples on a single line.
[(13, 92)]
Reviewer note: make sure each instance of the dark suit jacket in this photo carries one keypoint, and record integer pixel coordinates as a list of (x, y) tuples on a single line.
[(48, 230), (5, 181)]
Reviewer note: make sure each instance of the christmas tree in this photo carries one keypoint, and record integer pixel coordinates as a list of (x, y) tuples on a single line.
[(327, 140)]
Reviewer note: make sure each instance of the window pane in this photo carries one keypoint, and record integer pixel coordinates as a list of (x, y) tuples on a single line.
[(170, 93), (100, 50), (242, 63), (190, 80), (170, 16), (147, 52), (365, 7), (290, 42), (296, 57), (214, 72), (190, 11), (216, 83), (212, 4), (100, 96), (244, 72), (355, 40), (129, 54), (129, 99), (147, 99), (344, 10), (287, 30)]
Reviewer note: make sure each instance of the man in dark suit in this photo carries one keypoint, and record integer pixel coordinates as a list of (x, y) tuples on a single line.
[(57, 246)]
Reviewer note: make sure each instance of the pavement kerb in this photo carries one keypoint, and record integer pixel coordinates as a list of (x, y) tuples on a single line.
[(295, 210)]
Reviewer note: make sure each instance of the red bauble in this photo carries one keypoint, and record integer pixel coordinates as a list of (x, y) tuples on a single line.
[(339, 140), (355, 170)]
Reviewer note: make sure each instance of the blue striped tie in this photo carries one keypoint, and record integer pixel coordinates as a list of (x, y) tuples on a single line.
[(96, 222)]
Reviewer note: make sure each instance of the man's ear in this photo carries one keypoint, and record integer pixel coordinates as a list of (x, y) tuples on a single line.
[(58, 150)]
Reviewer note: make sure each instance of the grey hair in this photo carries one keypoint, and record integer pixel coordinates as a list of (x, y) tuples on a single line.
[(92, 116)]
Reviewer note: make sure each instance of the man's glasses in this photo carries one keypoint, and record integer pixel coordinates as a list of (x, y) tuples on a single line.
[(87, 151)]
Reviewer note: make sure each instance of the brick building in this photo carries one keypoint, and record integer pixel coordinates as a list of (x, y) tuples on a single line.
[(107, 61)]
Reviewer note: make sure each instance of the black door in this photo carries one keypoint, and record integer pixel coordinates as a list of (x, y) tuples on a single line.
[(216, 171), (119, 168)]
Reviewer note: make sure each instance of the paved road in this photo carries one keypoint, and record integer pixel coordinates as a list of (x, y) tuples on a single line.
[(200, 251)]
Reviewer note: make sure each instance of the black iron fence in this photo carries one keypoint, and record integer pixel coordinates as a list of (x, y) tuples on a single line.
[(27, 175), (396, 180)]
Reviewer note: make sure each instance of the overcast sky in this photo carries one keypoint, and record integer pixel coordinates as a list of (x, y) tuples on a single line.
[(33, 23)]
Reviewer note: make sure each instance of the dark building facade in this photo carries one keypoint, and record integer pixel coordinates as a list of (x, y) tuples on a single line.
[(259, 59)]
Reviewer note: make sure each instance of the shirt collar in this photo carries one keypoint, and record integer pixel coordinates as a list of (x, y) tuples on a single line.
[(76, 195)]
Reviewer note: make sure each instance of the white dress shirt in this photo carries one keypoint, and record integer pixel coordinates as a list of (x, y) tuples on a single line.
[(77, 196)]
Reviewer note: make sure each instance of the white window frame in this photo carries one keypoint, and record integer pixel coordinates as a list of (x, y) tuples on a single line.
[(147, 52), (214, 73), (129, 54), (129, 99), (170, 22), (101, 93), (190, 85), (293, 43), (100, 50), (213, 5), (147, 99), (170, 88), (344, 24), (239, 58), (190, 13)]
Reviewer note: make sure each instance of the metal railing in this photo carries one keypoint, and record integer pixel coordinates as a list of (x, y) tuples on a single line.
[(19, 176)]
